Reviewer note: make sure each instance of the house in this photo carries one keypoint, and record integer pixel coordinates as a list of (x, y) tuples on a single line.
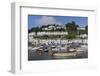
[(80, 28), (52, 27), (84, 36), (30, 36)]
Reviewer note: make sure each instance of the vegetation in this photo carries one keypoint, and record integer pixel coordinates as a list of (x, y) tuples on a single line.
[(71, 29), (86, 29), (34, 29)]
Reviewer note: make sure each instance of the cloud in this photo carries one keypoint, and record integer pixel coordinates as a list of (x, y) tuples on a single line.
[(45, 20)]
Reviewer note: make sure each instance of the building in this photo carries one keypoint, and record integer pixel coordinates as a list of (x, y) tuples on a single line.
[(52, 27), (81, 28)]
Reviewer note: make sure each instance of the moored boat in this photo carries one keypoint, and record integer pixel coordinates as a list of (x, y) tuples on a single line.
[(64, 54)]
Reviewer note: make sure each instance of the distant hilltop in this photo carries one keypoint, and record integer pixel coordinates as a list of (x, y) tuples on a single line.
[(71, 29)]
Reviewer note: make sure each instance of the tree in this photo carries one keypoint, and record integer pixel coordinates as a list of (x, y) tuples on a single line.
[(71, 27), (34, 29), (86, 29)]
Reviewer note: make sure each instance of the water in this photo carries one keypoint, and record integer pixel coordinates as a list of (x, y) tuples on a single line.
[(32, 55)]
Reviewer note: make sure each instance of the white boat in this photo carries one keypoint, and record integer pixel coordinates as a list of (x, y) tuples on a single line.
[(72, 50), (64, 54)]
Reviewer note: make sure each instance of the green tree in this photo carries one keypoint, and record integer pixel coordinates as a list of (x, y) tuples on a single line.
[(86, 29), (71, 29), (34, 29)]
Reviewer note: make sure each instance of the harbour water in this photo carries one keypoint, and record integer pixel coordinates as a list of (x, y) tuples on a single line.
[(32, 55)]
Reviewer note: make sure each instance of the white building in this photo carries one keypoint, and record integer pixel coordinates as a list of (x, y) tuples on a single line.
[(32, 34), (81, 28), (84, 36), (52, 27)]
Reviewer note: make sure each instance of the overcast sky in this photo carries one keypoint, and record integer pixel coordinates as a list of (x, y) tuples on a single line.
[(38, 20)]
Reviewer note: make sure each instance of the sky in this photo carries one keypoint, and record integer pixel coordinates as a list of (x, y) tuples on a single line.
[(39, 20)]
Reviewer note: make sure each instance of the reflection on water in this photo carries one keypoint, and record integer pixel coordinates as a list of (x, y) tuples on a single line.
[(32, 55)]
